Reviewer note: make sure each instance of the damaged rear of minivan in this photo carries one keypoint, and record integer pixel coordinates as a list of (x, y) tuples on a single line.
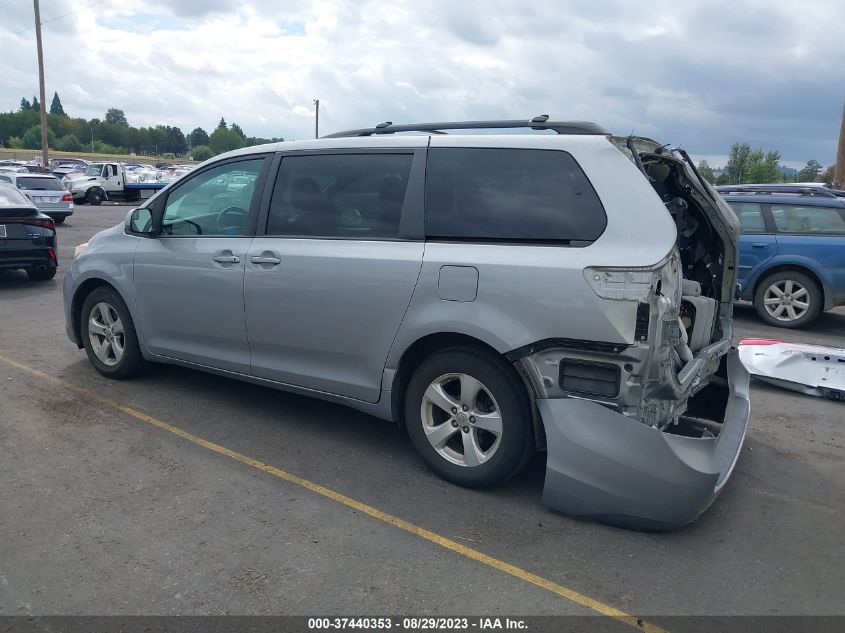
[(646, 434)]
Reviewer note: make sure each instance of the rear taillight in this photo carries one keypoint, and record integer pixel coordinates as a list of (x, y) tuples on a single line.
[(68, 197), (44, 224), (637, 283), (52, 255)]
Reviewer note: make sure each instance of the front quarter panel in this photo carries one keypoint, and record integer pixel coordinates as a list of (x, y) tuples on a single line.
[(109, 259)]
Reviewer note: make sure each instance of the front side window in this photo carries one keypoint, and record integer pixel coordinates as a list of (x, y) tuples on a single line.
[(214, 202), (750, 216), (810, 220), (340, 195), (509, 194)]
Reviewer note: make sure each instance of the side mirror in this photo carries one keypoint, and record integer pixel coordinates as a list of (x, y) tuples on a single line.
[(139, 222)]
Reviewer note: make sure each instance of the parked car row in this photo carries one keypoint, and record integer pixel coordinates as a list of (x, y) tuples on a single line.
[(45, 191)]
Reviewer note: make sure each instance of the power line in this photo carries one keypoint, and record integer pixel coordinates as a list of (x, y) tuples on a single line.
[(59, 17), (87, 6)]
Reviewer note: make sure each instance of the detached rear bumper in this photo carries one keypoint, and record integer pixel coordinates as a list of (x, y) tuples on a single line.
[(608, 467)]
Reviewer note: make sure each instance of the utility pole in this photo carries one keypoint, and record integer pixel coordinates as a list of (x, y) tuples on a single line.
[(41, 85), (317, 119), (839, 170)]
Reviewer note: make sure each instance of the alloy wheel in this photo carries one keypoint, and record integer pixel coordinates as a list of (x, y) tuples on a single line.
[(786, 300), (461, 419), (105, 331)]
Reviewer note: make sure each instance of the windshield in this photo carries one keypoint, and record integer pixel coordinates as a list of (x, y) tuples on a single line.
[(43, 184), (94, 170)]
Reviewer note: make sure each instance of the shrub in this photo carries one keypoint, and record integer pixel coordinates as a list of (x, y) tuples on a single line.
[(201, 152), (69, 143)]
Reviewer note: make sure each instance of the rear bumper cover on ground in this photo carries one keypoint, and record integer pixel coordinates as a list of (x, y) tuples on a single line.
[(607, 467)]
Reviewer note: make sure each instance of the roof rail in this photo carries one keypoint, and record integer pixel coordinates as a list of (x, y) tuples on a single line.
[(820, 191), (537, 123)]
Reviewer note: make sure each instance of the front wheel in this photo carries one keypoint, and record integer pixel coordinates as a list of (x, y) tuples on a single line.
[(94, 197), (468, 417), (108, 335), (788, 299)]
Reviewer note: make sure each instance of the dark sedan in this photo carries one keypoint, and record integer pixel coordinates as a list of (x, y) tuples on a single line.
[(27, 236)]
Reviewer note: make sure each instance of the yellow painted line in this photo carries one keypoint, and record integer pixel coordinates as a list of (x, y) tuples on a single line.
[(433, 537)]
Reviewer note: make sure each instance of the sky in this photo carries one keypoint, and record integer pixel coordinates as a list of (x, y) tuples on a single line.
[(698, 75)]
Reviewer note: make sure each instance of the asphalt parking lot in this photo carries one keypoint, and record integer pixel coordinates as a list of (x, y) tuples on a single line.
[(110, 505)]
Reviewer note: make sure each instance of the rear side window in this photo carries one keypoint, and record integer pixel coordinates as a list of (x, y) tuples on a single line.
[(509, 194), (43, 184), (750, 216), (810, 220), (340, 195)]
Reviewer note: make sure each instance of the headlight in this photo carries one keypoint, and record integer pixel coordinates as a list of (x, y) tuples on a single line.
[(81, 248)]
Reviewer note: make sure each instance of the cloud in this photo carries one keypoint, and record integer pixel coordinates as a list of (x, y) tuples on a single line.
[(697, 74)]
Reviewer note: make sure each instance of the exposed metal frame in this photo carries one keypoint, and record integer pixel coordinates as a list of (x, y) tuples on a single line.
[(537, 123)]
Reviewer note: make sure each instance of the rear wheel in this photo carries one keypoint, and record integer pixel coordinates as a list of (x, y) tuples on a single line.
[(788, 298), (468, 417), (60, 220), (41, 275), (94, 197), (109, 335)]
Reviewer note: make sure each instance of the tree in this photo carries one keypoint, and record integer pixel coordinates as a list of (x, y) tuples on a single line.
[(35, 104), (176, 143), (237, 130), (827, 175), (69, 143), (32, 138), (198, 137), (56, 105), (811, 171), (737, 165), (201, 152), (771, 167), (222, 125), (25, 104), (116, 117), (706, 172), (762, 167), (223, 140)]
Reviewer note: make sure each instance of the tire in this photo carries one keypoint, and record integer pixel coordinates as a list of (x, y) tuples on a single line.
[(94, 197), (101, 306), (60, 220), (793, 291), (442, 436), (41, 275)]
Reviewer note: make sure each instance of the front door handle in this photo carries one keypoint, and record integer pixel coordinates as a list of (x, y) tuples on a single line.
[(227, 259), (759, 245), (265, 259)]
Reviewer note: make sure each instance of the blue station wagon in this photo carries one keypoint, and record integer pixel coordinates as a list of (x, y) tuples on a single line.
[(792, 250)]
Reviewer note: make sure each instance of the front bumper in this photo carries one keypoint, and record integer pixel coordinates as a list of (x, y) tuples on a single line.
[(68, 290), (611, 468)]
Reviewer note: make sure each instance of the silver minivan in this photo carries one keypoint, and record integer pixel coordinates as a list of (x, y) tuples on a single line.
[(556, 289)]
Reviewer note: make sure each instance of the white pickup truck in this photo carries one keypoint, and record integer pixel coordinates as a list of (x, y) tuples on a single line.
[(107, 181)]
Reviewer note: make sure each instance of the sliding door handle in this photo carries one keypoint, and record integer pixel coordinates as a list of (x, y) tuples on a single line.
[(265, 259)]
